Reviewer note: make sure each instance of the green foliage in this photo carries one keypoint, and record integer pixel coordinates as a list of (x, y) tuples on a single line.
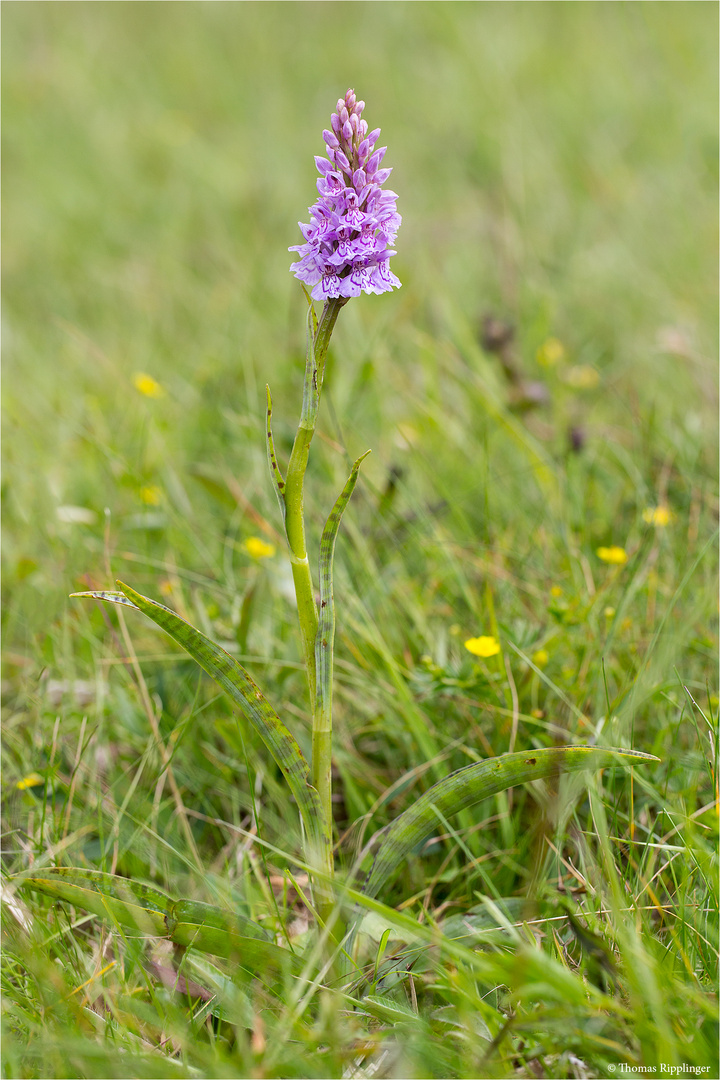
[(557, 170)]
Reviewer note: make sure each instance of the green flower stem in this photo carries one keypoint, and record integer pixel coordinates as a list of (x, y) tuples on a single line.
[(295, 531), (318, 341)]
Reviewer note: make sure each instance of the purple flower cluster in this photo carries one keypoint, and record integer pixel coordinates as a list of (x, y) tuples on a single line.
[(353, 225)]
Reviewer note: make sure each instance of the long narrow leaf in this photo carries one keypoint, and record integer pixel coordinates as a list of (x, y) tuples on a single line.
[(127, 903), (211, 930), (278, 481), (142, 908), (326, 614), (235, 681), (324, 643), (471, 785)]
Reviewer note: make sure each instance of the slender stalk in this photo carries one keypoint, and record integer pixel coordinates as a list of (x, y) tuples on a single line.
[(293, 498), (295, 530), (318, 343)]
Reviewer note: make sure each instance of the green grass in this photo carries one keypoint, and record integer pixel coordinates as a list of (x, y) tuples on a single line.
[(557, 168)]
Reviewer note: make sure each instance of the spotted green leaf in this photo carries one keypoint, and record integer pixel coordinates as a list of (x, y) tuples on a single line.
[(148, 910), (130, 904), (472, 785), (236, 682)]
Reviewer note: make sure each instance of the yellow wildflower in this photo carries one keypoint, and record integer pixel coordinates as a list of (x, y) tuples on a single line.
[(556, 591), (614, 555), (33, 779), (146, 385), (551, 352), (609, 612), (151, 495), (258, 549), (659, 516), (540, 658), (482, 646), (582, 377)]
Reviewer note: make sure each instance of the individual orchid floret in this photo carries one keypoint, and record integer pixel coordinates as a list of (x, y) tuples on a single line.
[(354, 223)]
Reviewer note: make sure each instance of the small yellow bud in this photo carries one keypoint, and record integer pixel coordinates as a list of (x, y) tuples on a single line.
[(541, 658)]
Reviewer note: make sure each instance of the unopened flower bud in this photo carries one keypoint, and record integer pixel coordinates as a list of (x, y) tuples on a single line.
[(343, 162), (374, 162)]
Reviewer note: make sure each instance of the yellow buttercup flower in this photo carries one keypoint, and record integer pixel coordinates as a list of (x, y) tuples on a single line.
[(148, 386), (582, 377), (659, 516), (33, 779), (151, 495), (541, 658), (551, 352), (482, 646), (556, 591), (614, 555), (258, 548)]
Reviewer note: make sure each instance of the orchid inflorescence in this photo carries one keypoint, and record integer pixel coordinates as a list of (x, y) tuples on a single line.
[(354, 223)]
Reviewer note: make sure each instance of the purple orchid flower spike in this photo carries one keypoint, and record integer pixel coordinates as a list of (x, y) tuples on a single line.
[(353, 225)]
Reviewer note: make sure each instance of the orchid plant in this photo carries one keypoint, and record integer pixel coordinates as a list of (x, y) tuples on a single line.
[(347, 248)]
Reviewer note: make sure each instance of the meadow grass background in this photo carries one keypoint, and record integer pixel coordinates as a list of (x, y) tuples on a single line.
[(556, 166)]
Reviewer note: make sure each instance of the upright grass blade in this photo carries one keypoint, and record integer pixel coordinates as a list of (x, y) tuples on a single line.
[(142, 908), (471, 785), (324, 643), (235, 681)]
